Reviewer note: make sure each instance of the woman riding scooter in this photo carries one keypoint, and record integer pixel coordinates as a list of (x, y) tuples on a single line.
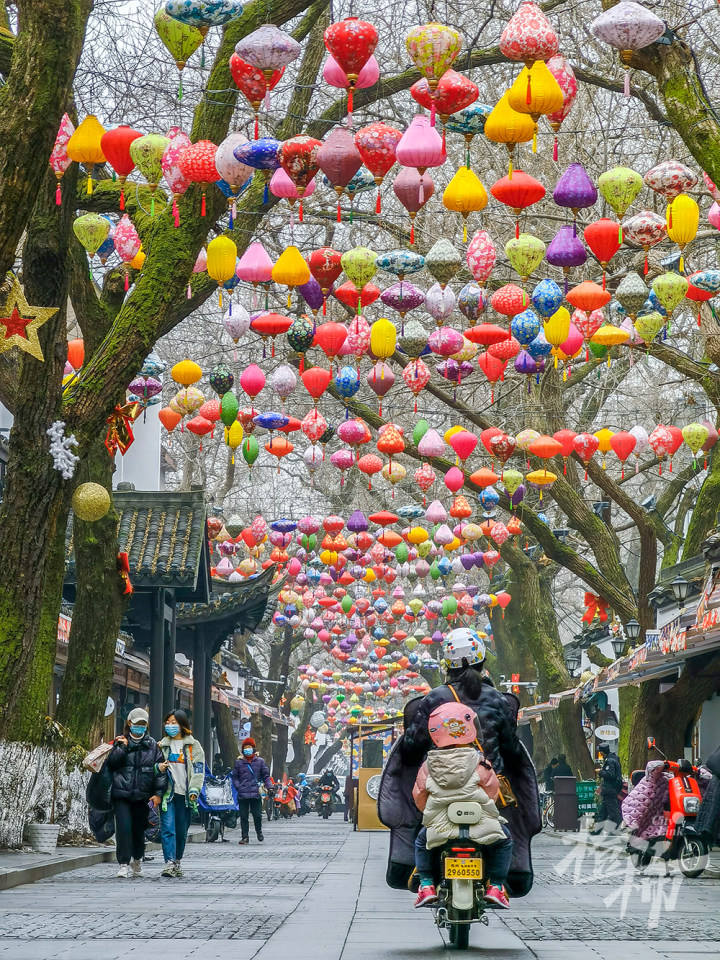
[(463, 657)]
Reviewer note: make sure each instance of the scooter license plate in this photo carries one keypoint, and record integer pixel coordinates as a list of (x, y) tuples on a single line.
[(460, 868)]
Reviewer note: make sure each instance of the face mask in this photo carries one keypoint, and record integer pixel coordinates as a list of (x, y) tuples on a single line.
[(138, 730), (172, 729), (248, 751)]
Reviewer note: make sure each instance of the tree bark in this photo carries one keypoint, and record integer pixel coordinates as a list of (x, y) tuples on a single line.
[(301, 750), (227, 740)]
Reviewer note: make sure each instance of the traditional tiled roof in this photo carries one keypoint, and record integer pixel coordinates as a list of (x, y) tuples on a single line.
[(164, 534), (248, 599)]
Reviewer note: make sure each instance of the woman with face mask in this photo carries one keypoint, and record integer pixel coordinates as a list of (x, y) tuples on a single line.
[(249, 771), (185, 762), (135, 761)]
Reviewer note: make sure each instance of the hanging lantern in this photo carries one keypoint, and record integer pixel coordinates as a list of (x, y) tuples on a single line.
[(221, 261), (586, 445), (84, 146), (416, 376), (359, 266), (204, 14), (649, 325), (695, 436), (518, 192), (575, 189), (197, 164), (420, 146), (645, 229), (443, 261), (509, 300), (252, 82), (565, 77), (382, 338), (298, 158), (661, 440), (127, 244), (670, 289), (330, 337), (351, 42), (261, 155), (180, 39), (535, 92), (234, 173), (628, 27), (59, 159), (528, 36), (619, 187), (170, 162), (604, 238), (493, 368), (269, 50), (147, 154), (413, 191), (566, 250), (433, 48), (291, 270), (507, 126), (465, 194), (377, 144), (525, 254), (91, 230), (325, 266), (631, 294), (481, 256), (683, 217), (671, 178), (115, 144), (339, 159)]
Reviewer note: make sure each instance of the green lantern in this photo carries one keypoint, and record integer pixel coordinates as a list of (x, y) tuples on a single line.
[(512, 480), (619, 187), (92, 231), (250, 450), (649, 325), (359, 266), (229, 407), (401, 552), (419, 431), (180, 39), (435, 570), (146, 153), (670, 289), (346, 604), (525, 254)]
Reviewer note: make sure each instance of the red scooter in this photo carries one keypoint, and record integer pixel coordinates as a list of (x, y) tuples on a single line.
[(680, 842)]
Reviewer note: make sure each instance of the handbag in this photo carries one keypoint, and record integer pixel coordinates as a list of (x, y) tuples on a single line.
[(506, 797), (95, 760)]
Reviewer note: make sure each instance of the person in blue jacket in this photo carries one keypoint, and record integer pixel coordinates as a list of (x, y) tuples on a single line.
[(249, 771)]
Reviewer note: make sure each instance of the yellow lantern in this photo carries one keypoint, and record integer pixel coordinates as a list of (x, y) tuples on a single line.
[(541, 478), (221, 261), (138, 261), (608, 336), (604, 436), (328, 557), (186, 372), (557, 330), (505, 125), (465, 194), (84, 145), (450, 433), (234, 437), (369, 576), (291, 270), (683, 216), (417, 535), (536, 92), (382, 339)]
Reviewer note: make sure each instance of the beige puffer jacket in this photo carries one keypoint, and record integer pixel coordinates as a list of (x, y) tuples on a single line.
[(452, 776)]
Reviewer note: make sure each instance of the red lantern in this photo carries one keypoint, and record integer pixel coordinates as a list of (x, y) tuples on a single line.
[(518, 192), (279, 447), (316, 381), (383, 518), (169, 418), (252, 83), (200, 427), (677, 440), (501, 446), (76, 353), (291, 426), (585, 445), (115, 144), (454, 92), (486, 334), (588, 296), (509, 300), (484, 477), (565, 439), (505, 350), (197, 164), (697, 295), (493, 368), (546, 447), (377, 144), (390, 440), (351, 42), (349, 294), (487, 435), (661, 440), (604, 238), (623, 444), (270, 325), (370, 464), (330, 337), (298, 158), (326, 267)]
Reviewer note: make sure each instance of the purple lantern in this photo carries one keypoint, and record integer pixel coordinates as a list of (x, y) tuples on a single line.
[(575, 189), (566, 249), (312, 294)]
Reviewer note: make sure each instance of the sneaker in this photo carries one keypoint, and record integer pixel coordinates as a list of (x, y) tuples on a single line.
[(260, 837), (497, 896), (426, 896), (177, 870), (124, 871), (243, 841), (137, 870), (169, 870)]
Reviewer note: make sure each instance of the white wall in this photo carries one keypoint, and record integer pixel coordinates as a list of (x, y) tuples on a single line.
[(709, 727), (141, 464)]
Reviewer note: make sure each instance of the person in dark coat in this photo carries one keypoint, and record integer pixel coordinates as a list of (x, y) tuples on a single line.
[(464, 655), (563, 768), (549, 775), (249, 771), (611, 781), (136, 779), (708, 820)]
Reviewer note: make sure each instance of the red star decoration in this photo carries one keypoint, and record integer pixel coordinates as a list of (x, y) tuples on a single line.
[(15, 324)]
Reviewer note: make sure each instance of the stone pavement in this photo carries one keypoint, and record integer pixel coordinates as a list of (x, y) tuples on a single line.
[(315, 891)]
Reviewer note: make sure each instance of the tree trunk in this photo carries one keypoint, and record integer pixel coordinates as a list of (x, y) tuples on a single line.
[(95, 625), (34, 510), (301, 750), (262, 730), (279, 752), (227, 740), (704, 515), (323, 759)]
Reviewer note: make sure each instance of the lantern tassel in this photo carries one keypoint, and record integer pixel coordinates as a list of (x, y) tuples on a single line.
[(645, 271), (626, 83), (189, 290), (350, 105), (412, 236), (203, 207), (266, 195), (127, 280), (89, 184), (465, 232), (378, 203), (555, 149), (534, 141), (58, 194), (176, 213), (257, 127), (517, 229), (122, 196), (339, 213), (233, 213), (432, 112), (300, 212), (152, 206)]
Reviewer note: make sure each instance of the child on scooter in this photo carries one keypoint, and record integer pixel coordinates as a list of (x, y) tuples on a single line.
[(458, 771)]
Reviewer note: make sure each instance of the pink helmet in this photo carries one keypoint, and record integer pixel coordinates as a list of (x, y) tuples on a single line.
[(452, 725)]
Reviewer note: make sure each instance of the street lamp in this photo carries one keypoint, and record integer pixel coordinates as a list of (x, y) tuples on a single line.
[(680, 588), (618, 645), (573, 663), (632, 630)]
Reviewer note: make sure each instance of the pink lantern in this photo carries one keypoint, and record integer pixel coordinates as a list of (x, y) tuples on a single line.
[(421, 146), (282, 186), (174, 176), (445, 341), (712, 189), (413, 191), (59, 160), (380, 379), (252, 380), (714, 216), (563, 73), (255, 265), (358, 338), (628, 27), (339, 159), (574, 342), (416, 376), (463, 443), (334, 75), (313, 425), (127, 244), (481, 257), (529, 36), (454, 479), (342, 459), (661, 440)]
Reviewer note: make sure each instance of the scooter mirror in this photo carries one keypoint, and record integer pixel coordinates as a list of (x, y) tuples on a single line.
[(651, 743)]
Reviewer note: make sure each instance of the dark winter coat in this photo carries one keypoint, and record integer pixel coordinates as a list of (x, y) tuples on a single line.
[(563, 770), (708, 821), (610, 775), (497, 713), (135, 770), (248, 774)]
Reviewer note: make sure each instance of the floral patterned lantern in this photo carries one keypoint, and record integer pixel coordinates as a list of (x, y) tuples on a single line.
[(670, 289), (377, 144), (234, 173), (433, 48), (645, 229), (443, 261), (298, 158), (170, 163), (351, 42), (127, 244), (253, 84), (339, 159), (619, 187), (270, 50), (525, 254), (671, 178), (403, 297), (454, 92), (627, 26), (197, 164), (325, 266), (59, 159), (563, 73), (528, 36), (204, 14), (416, 376), (481, 257), (180, 39)]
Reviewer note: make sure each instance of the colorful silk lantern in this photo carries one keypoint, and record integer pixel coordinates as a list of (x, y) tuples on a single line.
[(115, 144), (433, 48), (565, 77), (683, 217), (351, 42), (221, 261), (253, 83), (528, 36), (518, 192), (377, 144), (339, 159), (413, 191), (197, 164), (604, 238), (465, 194), (59, 159), (525, 254), (291, 270), (507, 126), (84, 146), (627, 26)]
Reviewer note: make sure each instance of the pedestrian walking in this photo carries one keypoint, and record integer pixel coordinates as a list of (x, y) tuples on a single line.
[(549, 775), (611, 783), (349, 795), (135, 761), (249, 771), (563, 768), (185, 762)]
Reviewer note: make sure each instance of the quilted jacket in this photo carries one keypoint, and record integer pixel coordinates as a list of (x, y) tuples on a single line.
[(642, 809)]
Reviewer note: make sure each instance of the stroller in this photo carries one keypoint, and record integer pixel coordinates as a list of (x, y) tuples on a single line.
[(218, 806)]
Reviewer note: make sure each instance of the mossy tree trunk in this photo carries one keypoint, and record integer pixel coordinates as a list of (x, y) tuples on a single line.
[(229, 748), (301, 750)]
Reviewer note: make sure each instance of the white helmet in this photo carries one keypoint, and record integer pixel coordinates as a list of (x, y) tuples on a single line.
[(463, 647)]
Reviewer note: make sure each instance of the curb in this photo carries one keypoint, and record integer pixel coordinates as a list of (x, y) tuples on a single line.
[(51, 868)]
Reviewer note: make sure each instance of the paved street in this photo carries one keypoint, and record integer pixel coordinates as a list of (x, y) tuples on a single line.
[(315, 891)]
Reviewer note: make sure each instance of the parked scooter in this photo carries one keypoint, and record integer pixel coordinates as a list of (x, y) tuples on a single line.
[(218, 806), (460, 887), (672, 788)]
